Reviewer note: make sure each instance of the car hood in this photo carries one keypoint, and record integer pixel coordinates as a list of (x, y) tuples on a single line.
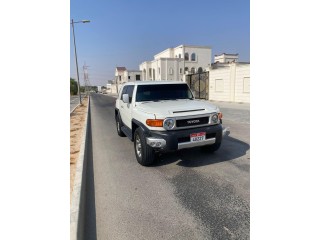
[(175, 108)]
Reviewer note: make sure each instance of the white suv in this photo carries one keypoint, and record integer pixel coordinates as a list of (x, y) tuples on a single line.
[(162, 116)]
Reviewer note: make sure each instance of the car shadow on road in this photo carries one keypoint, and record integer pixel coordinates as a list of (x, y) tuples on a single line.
[(231, 148)]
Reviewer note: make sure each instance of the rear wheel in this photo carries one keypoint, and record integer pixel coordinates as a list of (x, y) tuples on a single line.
[(145, 154)]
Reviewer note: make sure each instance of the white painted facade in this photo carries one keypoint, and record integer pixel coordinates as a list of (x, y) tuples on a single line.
[(119, 74), (132, 76), (122, 75), (230, 82), (226, 58), (173, 63)]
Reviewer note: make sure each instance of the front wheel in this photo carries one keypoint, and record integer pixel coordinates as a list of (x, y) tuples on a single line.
[(119, 125), (145, 154)]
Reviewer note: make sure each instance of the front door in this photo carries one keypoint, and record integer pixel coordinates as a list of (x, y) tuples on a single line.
[(126, 108)]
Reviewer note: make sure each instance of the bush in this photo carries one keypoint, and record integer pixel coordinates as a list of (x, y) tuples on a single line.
[(73, 87)]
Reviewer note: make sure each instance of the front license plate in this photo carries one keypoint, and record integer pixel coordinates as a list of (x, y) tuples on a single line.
[(197, 137)]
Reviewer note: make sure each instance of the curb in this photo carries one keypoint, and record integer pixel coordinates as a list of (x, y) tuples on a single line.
[(77, 198), (74, 108)]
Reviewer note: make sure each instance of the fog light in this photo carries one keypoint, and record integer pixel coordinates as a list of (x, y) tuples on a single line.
[(156, 142)]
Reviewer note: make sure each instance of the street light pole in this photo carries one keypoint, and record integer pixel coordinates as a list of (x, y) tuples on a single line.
[(75, 53)]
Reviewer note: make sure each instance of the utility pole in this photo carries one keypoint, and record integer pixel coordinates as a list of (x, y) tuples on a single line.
[(86, 78), (75, 54)]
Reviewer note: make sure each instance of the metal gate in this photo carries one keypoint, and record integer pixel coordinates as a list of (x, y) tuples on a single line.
[(199, 84)]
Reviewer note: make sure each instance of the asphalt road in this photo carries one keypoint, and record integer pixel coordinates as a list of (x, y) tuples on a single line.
[(187, 195)]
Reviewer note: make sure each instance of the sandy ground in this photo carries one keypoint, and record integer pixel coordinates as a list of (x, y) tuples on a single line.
[(77, 121)]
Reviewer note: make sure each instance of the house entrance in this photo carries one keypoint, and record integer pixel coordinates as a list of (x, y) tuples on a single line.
[(199, 84)]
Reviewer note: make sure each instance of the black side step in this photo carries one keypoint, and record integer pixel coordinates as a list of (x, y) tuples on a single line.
[(127, 132)]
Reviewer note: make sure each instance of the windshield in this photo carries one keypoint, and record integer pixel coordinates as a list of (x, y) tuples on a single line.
[(159, 92)]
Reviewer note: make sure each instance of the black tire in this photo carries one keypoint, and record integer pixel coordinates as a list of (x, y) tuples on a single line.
[(145, 154), (119, 125), (211, 148)]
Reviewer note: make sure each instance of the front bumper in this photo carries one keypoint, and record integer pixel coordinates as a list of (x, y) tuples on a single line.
[(180, 139)]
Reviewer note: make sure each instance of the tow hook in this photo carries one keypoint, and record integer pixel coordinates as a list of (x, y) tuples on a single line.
[(225, 131)]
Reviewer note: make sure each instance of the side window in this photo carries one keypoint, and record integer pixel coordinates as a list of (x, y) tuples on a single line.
[(130, 92), (124, 91)]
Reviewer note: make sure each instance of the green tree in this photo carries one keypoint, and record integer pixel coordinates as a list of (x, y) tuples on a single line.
[(73, 87)]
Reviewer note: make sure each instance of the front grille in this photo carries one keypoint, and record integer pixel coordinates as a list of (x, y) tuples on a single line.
[(192, 122)]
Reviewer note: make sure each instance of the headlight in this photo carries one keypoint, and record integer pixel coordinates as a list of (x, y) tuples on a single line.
[(215, 118), (168, 123)]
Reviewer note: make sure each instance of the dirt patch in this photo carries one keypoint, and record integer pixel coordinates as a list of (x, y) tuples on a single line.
[(77, 121)]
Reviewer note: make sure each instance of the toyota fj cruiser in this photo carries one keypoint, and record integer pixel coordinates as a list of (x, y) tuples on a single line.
[(162, 116)]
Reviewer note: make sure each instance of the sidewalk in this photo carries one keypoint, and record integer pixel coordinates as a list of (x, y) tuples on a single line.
[(233, 105)]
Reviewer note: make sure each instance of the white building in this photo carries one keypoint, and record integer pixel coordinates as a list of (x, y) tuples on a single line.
[(132, 75), (226, 58), (123, 75), (229, 82), (119, 74), (173, 63)]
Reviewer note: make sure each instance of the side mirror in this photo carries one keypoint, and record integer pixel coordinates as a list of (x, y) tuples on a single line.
[(125, 98)]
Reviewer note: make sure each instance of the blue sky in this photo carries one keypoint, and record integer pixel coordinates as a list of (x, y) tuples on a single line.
[(127, 33)]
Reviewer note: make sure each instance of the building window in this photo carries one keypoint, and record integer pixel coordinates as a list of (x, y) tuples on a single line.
[(159, 70), (186, 69), (193, 57), (180, 71), (129, 77), (120, 78), (138, 77), (200, 70), (179, 55), (170, 70), (192, 70), (186, 56)]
